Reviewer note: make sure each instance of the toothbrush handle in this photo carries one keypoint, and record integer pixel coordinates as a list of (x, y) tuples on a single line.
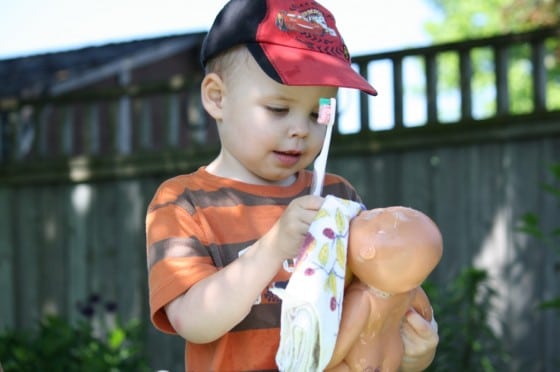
[(320, 165)]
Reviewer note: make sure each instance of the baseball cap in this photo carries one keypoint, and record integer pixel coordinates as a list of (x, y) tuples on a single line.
[(295, 42)]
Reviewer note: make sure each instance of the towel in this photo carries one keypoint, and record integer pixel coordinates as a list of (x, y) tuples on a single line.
[(312, 300)]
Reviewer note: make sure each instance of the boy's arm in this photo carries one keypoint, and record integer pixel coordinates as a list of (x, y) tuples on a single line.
[(213, 306)]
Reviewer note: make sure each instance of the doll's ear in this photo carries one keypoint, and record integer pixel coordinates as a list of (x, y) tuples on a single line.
[(367, 252), (211, 92)]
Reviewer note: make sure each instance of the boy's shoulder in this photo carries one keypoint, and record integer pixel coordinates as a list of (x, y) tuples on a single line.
[(172, 187), (339, 186), (198, 179), (332, 178)]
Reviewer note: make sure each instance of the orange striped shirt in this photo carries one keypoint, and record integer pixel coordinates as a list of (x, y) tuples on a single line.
[(198, 223)]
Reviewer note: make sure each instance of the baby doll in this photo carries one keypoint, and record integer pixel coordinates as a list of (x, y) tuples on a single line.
[(391, 251)]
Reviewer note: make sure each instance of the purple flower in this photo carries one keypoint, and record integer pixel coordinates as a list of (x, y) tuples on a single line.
[(111, 306), (94, 298), (87, 311)]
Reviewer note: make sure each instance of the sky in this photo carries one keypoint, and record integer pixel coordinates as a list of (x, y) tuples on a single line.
[(30, 27), (39, 26)]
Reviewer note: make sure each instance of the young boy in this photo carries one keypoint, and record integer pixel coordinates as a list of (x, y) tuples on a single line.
[(219, 238)]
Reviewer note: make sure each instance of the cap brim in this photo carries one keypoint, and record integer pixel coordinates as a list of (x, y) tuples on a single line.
[(304, 67)]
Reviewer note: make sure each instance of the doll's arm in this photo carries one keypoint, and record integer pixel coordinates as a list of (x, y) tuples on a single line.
[(355, 313), (419, 334)]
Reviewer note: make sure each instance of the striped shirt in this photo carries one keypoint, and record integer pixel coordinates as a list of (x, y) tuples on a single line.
[(198, 223)]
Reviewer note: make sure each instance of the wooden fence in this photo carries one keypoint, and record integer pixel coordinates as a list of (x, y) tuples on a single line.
[(72, 218)]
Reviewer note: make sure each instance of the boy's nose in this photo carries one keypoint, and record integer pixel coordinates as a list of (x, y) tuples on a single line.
[(299, 128)]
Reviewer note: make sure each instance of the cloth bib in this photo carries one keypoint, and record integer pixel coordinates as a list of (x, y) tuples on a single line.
[(312, 300)]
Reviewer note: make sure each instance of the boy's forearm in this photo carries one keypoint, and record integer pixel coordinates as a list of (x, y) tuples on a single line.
[(217, 303)]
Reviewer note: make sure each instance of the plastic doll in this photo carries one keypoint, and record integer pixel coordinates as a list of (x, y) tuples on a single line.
[(391, 251)]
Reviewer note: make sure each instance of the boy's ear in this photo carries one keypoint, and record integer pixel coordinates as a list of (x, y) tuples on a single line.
[(211, 92)]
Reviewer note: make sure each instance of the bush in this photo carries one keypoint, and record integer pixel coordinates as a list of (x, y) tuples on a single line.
[(97, 343), (462, 309)]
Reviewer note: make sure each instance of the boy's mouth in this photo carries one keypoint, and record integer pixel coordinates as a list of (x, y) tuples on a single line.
[(288, 157)]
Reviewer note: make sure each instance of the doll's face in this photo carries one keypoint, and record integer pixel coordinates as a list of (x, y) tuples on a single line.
[(393, 249)]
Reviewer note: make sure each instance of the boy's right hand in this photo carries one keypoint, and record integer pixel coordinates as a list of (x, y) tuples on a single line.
[(288, 233)]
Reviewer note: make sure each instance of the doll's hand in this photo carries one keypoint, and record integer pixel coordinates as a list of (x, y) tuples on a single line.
[(287, 235), (420, 338)]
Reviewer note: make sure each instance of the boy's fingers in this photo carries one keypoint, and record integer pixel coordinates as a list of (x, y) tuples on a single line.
[(419, 324), (419, 334), (311, 202)]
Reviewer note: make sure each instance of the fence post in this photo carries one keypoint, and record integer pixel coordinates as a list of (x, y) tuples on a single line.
[(539, 75), (123, 121), (3, 137)]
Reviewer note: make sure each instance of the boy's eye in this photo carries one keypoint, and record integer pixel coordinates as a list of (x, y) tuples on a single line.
[(314, 116), (277, 109)]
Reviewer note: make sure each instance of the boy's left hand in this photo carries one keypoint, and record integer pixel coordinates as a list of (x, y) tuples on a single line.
[(420, 338)]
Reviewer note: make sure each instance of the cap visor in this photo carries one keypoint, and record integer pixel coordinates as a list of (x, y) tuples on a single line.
[(305, 67)]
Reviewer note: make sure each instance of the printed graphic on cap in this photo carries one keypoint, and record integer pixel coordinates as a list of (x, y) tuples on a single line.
[(312, 26), (311, 21)]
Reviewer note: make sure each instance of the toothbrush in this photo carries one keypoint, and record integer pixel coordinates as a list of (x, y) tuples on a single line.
[(327, 114)]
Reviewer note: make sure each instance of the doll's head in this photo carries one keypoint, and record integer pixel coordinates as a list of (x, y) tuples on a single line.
[(393, 249)]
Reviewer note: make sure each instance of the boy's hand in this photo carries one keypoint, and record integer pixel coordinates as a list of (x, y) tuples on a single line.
[(288, 233), (420, 338)]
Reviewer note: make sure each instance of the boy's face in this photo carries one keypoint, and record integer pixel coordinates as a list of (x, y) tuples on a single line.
[(268, 131)]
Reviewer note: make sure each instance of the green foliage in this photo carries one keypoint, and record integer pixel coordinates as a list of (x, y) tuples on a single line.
[(466, 19), (58, 345), (463, 308), (480, 18), (531, 224), (462, 20)]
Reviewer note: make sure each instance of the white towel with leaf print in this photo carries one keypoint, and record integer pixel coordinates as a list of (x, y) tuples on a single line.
[(312, 300)]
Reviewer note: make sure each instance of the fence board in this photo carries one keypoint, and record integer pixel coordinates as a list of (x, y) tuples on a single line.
[(75, 202), (27, 259), (548, 207), (384, 184), (131, 279), (107, 233), (524, 262), (417, 193), (53, 263), (7, 287), (449, 211), (357, 168), (97, 250)]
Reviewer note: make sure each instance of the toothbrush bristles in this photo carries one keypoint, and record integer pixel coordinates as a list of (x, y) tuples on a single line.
[(325, 111)]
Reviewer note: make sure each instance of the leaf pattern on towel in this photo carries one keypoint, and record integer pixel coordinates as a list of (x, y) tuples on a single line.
[(324, 254), (340, 252), (335, 243)]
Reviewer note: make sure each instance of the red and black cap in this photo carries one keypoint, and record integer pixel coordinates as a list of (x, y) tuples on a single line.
[(295, 42)]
